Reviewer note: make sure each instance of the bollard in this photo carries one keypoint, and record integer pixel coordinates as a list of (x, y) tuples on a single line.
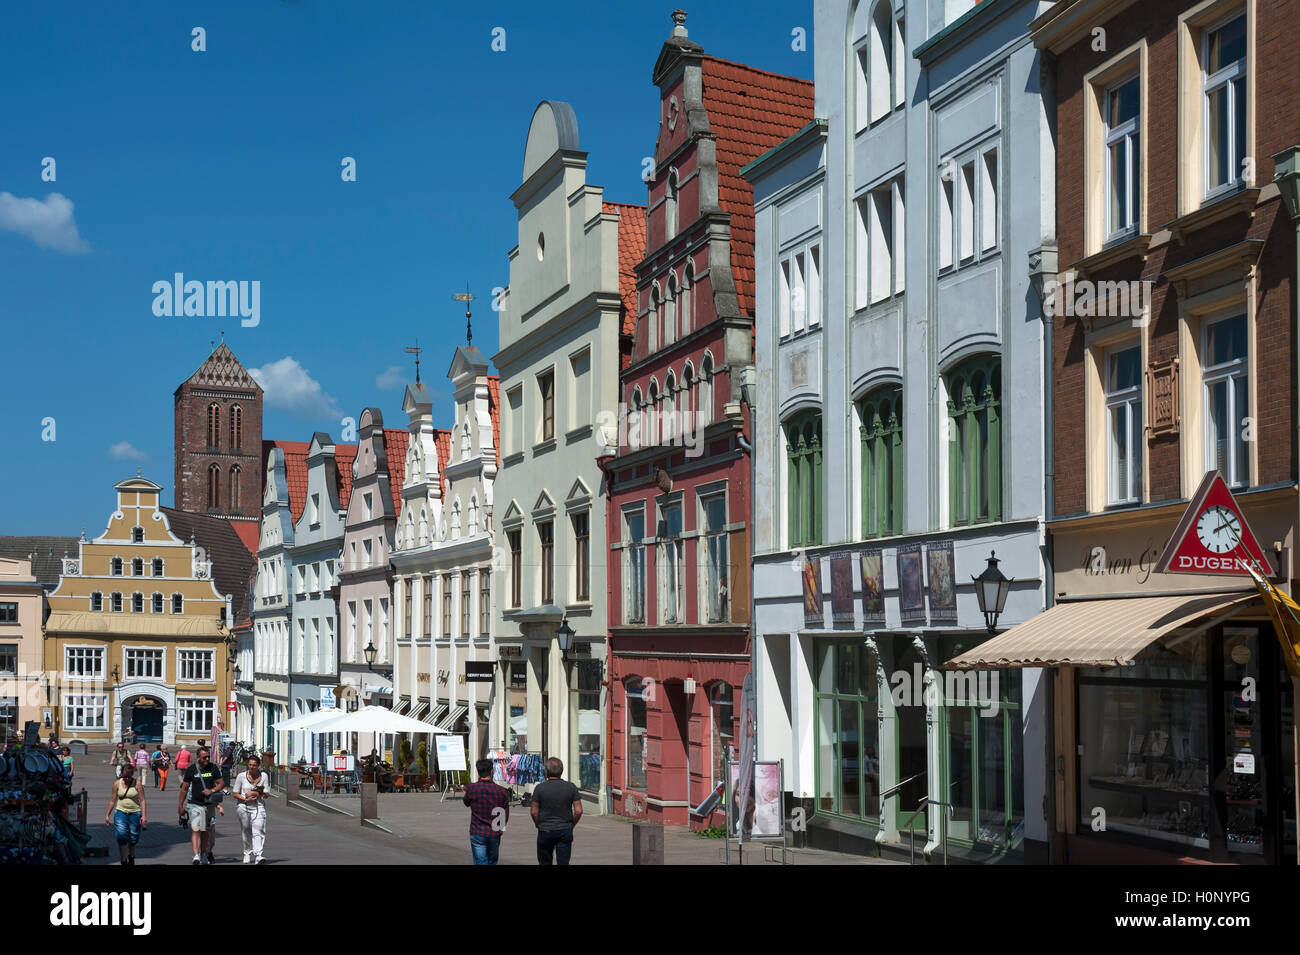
[(291, 784), (369, 801), (647, 843)]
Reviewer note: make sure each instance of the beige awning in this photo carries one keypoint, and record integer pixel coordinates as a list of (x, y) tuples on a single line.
[(64, 622), (1095, 632)]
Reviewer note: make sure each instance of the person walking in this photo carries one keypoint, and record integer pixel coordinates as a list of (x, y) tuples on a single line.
[(141, 761), (119, 758), (489, 806), (153, 762), (65, 758), (201, 781), (250, 791), (556, 810), (127, 813), (162, 763), (184, 759)]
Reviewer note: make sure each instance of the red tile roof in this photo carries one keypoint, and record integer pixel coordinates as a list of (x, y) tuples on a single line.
[(395, 443), (494, 408), (442, 441), (750, 111), (631, 250), (248, 533), (344, 455), (295, 472)]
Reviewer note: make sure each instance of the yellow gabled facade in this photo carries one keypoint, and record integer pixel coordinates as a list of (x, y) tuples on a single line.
[(137, 633)]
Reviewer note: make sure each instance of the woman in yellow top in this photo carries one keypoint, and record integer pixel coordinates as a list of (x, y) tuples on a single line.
[(127, 813)]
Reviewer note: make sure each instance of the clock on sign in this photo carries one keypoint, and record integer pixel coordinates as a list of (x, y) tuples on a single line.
[(1212, 537)]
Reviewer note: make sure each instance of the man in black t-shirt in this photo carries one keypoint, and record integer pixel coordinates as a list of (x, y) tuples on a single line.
[(556, 809), (201, 782)]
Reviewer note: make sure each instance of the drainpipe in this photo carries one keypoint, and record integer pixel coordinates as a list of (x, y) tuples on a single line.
[(748, 386), (1286, 173)]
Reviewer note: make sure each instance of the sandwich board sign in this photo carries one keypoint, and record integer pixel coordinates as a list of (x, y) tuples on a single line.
[(451, 753), (1212, 537)]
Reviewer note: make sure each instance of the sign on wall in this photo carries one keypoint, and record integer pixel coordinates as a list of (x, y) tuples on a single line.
[(911, 597), (1212, 537), (873, 586), (478, 671), (813, 615), (942, 581)]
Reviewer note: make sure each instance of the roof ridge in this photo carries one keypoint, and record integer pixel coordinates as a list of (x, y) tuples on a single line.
[(755, 69)]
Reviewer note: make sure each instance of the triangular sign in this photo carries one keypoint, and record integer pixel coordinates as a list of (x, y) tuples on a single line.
[(1213, 537)]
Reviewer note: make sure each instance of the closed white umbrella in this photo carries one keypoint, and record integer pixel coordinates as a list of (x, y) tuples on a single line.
[(372, 719)]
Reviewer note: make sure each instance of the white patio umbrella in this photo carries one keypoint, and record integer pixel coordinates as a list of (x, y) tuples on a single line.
[(372, 719), (305, 721)]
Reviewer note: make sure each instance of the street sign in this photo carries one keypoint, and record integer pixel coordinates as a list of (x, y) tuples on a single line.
[(231, 706), (327, 698), (1212, 537), (478, 672), (341, 763)]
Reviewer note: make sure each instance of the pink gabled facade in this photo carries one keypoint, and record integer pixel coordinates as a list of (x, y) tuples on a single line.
[(679, 484)]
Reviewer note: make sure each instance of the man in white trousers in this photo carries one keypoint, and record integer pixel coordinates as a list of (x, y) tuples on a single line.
[(250, 791)]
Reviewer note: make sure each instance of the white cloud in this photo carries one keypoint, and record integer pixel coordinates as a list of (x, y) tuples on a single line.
[(126, 451), (289, 388), (50, 224), (392, 377)]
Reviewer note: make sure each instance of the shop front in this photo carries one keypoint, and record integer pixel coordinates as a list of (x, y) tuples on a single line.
[(1173, 713)]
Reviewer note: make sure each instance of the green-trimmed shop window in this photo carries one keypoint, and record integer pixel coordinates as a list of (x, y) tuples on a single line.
[(975, 441), (804, 446), (882, 462)]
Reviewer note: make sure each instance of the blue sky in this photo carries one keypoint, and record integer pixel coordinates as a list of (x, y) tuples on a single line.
[(225, 164)]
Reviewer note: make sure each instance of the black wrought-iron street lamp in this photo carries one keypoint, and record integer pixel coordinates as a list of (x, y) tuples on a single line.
[(370, 654), (564, 635), (991, 589), (236, 671)]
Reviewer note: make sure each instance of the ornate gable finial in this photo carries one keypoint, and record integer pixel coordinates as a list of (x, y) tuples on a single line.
[(466, 297), (415, 350), (679, 23)]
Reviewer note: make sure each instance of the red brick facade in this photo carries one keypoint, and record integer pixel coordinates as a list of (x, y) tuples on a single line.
[(1242, 218)]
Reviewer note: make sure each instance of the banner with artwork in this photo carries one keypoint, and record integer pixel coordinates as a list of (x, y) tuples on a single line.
[(911, 586), (842, 588), (872, 566), (813, 615), (942, 581)]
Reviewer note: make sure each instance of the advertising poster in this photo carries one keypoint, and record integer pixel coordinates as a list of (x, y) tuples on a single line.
[(873, 587), (764, 820), (813, 616), (911, 597), (943, 589), (842, 588)]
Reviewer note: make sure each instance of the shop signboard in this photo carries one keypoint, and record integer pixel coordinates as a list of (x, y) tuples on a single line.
[(1213, 536)]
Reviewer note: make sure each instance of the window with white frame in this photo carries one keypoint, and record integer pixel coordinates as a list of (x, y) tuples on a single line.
[(137, 602), (8, 658), (885, 61), (800, 294), (84, 662), (352, 630), (716, 576), (96, 601), (137, 566), (115, 567), (1125, 434), (115, 602), (580, 406), (194, 666), (1122, 119), (515, 398), (1224, 378), (635, 763), (158, 567), (383, 628), (1223, 78), (368, 624), (878, 260), (634, 566), (157, 603), (196, 714), (85, 711), (968, 208), (314, 517), (178, 603), (671, 564), (144, 664)]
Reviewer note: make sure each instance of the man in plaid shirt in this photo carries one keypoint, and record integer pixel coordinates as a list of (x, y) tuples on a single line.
[(489, 806)]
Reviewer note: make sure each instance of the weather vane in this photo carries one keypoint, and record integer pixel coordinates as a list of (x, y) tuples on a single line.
[(466, 297), (415, 350)]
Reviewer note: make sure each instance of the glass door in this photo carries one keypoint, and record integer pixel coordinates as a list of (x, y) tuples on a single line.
[(910, 741)]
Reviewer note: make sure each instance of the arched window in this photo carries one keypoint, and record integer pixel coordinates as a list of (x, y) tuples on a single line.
[(424, 525), (236, 427), (705, 404), (137, 603), (157, 566), (975, 441), (723, 735), (214, 486), (115, 602), (115, 567), (96, 601), (472, 527), (686, 308), (137, 566), (636, 696), (652, 419), (686, 397), (410, 529), (636, 425), (178, 603), (670, 205), (881, 61), (214, 425), (804, 497), (157, 603), (669, 417), (670, 311), (455, 519), (881, 431), (234, 488), (655, 319), (137, 535)]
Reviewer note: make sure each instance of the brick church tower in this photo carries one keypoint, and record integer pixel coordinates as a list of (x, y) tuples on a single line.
[(218, 440)]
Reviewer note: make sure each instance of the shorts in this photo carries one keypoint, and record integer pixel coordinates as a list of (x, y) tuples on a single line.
[(126, 827), (200, 816)]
